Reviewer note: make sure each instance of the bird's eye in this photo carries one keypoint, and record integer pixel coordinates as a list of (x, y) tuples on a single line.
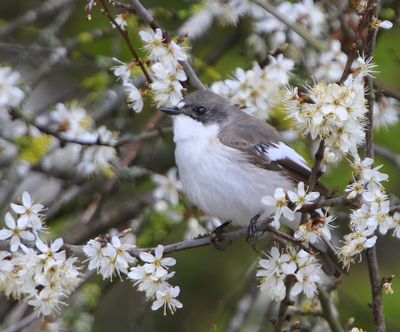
[(201, 109)]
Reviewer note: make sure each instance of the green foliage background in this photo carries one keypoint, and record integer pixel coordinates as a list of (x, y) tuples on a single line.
[(211, 281)]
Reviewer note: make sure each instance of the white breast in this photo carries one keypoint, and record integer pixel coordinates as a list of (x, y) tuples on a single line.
[(219, 179)]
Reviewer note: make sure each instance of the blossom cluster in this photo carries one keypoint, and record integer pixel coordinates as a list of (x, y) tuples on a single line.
[(167, 73), (286, 204), (109, 257), (258, 89), (112, 257), (152, 278), (386, 112), (303, 268), (72, 122), (31, 270), (332, 112), (373, 214)]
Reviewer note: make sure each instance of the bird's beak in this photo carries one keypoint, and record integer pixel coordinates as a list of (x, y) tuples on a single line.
[(170, 111)]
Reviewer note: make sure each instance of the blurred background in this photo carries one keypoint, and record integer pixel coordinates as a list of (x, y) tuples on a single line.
[(65, 58)]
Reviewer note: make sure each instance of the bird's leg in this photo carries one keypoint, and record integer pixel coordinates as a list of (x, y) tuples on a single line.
[(216, 235), (252, 231)]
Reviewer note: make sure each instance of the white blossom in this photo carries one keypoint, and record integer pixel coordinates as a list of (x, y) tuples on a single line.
[(301, 197), (168, 186), (118, 258), (135, 100), (316, 228), (121, 20), (280, 204), (28, 212), (16, 232), (10, 94), (122, 71), (257, 89), (167, 299), (156, 265), (386, 112), (306, 281)]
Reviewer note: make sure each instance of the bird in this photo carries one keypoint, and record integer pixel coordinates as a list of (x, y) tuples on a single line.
[(229, 160)]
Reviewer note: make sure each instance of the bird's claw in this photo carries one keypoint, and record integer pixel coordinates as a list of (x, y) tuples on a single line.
[(252, 232), (217, 238)]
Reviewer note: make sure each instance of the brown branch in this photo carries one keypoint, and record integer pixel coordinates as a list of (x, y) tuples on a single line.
[(316, 170), (125, 36), (328, 312), (371, 12), (284, 306)]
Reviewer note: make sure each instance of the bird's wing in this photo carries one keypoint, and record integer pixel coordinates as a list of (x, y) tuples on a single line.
[(260, 143)]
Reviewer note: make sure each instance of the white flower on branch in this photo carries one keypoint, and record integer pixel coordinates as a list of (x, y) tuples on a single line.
[(306, 14), (331, 63), (396, 223), (317, 227), (280, 204), (118, 258), (10, 94), (16, 232), (333, 112), (354, 244), (306, 281), (167, 299), (94, 251), (29, 212), (168, 53), (302, 197), (156, 265), (113, 257), (168, 186), (257, 89), (166, 88), (47, 302), (386, 112), (121, 20), (71, 120), (135, 100), (274, 270), (122, 71)]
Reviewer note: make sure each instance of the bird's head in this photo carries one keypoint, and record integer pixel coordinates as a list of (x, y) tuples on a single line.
[(203, 106)]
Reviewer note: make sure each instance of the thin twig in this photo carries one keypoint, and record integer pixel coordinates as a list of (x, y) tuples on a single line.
[(372, 260), (18, 326), (327, 311), (125, 36), (284, 306)]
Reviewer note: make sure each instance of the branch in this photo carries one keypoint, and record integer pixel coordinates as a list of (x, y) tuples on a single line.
[(387, 154), (146, 17), (125, 36), (316, 170), (327, 311), (284, 306), (20, 325), (370, 13), (303, 33)]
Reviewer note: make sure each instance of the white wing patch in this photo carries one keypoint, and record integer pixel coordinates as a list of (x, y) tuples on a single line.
[(280, 151)]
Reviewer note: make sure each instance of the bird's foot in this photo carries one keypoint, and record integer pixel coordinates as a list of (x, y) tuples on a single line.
[(252, 231), (217, 238)]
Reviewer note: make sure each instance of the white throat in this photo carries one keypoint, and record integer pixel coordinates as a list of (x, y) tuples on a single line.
[(185, 128)]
